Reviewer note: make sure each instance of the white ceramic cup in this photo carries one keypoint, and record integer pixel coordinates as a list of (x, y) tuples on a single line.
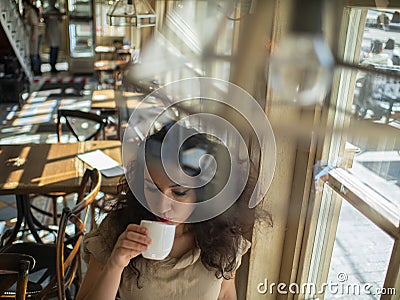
[(162, 238)]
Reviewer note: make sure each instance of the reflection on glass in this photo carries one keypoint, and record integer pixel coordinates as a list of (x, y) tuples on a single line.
[(360, 257), (376, 96)]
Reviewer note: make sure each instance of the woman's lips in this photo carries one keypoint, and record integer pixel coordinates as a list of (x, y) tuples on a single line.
[(164, 220)]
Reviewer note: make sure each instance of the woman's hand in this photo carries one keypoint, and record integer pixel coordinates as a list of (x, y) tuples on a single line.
[(132, 242), (102, 282)]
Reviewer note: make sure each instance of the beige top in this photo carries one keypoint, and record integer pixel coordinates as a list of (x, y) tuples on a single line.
[(172, 278), (52, 18), (31, 22)]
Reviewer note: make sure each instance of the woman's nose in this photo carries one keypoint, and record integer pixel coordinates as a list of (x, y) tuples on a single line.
[(165, 203)]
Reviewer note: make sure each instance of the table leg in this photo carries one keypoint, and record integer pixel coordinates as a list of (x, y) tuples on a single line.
[(20, 218), (29, 218), (23, 214)]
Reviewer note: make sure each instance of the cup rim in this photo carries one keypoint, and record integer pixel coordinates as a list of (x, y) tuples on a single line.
[(157, 222)]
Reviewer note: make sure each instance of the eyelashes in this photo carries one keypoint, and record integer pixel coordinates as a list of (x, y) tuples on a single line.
[(177, 193), (180, 193)]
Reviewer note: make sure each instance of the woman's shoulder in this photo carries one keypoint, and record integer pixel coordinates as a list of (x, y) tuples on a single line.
[(100, 241)]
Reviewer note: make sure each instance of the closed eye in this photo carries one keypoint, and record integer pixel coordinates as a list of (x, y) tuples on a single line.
[(180, 193)]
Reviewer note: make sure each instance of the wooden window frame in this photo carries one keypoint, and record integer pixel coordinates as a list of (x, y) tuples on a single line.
[(283, 253), (346, 186)]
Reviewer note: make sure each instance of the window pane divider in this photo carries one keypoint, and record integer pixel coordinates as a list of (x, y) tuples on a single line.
[(375, 207), (372, 4)]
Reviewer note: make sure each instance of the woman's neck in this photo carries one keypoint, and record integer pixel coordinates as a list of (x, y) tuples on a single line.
[(184, 241), (181, 230)]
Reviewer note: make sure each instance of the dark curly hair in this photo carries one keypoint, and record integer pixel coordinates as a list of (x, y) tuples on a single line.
[(219, 238), (32, 6)]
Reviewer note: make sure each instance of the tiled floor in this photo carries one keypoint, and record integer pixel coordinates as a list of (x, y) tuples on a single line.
[(7, 207)]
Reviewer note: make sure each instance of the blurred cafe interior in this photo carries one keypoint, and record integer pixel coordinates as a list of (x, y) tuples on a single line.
[(325, 76)]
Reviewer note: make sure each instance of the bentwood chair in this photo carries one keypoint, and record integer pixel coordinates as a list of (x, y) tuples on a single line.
[(58, 266), (82, 125), (14, 270), (85, 126)]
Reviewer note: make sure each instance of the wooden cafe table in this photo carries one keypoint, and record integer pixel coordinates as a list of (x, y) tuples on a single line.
[(104, 50), (45, 168), (110, 66), (115, 99), (123, 102)]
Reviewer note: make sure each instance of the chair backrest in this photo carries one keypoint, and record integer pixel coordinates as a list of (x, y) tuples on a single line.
[(14, 268), (66, 267), (82, 125)]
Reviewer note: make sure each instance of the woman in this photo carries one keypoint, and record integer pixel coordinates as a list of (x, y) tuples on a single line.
[(31, 22), (204, 256)]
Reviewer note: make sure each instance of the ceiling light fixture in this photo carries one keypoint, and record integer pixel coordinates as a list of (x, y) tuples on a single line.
[(137, 13), (302, 66)]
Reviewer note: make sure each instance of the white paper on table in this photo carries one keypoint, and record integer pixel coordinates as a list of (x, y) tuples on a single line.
[(102, 162)]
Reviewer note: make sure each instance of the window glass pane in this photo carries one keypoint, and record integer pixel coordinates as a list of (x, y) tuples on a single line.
[(377, 103), (369, 150), (360, 257)]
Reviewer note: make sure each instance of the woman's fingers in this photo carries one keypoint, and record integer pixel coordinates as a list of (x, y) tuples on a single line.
[(137, 228), (134, 238), (132, 242), (137, 237), (131, 245)]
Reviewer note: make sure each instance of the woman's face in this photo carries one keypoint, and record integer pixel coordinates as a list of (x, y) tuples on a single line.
[(164, 196)]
